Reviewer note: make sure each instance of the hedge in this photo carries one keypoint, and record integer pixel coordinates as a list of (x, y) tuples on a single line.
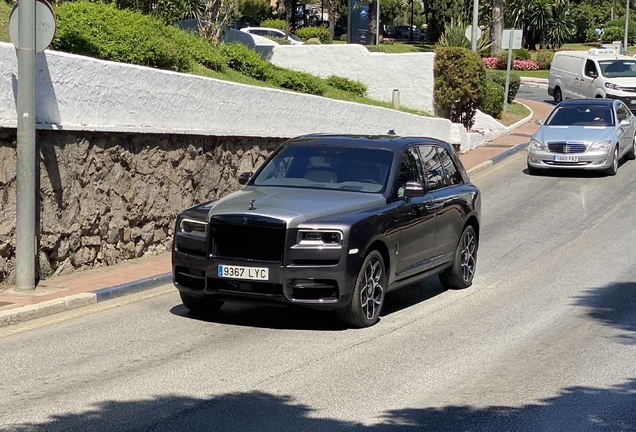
[(493, 100), (500, 78)]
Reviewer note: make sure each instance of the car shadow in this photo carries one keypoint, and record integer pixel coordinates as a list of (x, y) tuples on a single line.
[(285, 317), (568, 173)]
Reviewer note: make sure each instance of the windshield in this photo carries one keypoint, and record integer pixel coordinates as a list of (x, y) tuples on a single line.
[(587, 115), (618, 68), (328, 167)]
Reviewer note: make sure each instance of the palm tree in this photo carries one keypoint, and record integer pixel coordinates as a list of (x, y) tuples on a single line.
[(496, 27)]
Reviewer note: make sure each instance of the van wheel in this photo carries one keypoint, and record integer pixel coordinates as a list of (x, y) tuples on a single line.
[(558, 96)]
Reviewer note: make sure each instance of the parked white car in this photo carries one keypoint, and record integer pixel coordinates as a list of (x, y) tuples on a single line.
[(272, 32)]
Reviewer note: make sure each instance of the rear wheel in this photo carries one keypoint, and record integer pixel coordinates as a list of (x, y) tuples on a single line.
[(200, 305), (461, 274), (368, 293), (558, 96), (611, 171)]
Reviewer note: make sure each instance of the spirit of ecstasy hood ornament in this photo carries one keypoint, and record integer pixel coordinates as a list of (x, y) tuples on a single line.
[(251, 207)]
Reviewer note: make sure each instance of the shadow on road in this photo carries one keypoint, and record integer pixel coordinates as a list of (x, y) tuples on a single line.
[(569, 173), (614, 305), (573, 409), (300, 318)]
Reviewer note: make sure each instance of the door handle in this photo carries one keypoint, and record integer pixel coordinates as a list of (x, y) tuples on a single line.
[(576, 79), (434, 206)]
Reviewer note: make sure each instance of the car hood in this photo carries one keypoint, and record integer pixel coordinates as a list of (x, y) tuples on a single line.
[(586, 134), (294, 206)]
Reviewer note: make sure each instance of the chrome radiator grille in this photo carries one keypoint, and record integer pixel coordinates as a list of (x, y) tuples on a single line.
[(566, 147)]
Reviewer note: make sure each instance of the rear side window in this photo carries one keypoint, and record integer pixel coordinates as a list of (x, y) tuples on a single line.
[(452, 175), (432, 165)]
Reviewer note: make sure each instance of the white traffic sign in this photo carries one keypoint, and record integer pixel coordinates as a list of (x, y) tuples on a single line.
[(469, 32), (517, 36), (45, 25)]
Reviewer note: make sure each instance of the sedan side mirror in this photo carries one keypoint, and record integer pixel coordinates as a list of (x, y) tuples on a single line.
[(625, 123), (539, 121), (413, 189), (244, 177)]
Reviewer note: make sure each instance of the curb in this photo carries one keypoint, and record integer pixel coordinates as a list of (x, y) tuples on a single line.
[(534, 82), (51, 307), (496, 159)]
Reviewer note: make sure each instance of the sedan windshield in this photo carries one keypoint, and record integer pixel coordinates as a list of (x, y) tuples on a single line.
[(618, 68), (328, 167), (586, 115)]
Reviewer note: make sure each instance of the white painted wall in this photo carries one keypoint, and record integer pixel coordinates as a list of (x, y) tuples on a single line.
[(81, 93)]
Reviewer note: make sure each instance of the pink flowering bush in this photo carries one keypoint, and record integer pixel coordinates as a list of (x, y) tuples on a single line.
[(525, 65), (490, 62)]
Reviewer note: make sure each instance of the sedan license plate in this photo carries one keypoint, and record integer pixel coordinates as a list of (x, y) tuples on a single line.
[(566, 158), (633, 101), (239, 272)]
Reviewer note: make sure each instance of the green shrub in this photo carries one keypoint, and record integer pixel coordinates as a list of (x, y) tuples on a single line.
[(544, 59), (299, 81), (248, 62), (611, 34), (319, 32), (351, 86), (615, 31), (500, 78), (460, 77), (493, 100), (375, 48), (521, 54), (343, 37), (103, 31), (313, 41), (260, 10), (591, 35), (274, 23)]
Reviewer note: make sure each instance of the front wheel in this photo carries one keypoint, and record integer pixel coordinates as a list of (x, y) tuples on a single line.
[(558, 96), (200, 305), (368, 293), (460, 274), (611, 171), (631, 153)]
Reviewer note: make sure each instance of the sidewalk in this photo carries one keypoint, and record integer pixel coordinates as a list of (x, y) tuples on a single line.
[(83, 288)]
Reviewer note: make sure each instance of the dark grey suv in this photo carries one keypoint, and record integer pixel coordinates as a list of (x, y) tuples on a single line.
[(332, 222)]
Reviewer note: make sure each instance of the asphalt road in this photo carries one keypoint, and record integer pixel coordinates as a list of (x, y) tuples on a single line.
[(545, 340), (535, 94)]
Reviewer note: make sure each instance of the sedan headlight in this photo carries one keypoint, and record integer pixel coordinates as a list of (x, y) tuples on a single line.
[(537, 145), (314, 238), (601, 146)]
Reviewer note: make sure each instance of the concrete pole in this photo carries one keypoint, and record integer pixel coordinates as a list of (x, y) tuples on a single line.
[(26, 150), (396, 99), (626, 27), (473, 38)]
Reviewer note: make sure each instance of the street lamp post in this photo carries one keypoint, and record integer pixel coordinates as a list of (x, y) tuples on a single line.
[(626, 27), (473, 38)]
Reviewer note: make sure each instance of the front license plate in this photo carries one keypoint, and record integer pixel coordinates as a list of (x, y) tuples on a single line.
[(239, 272), (633, 101), (566, 158)]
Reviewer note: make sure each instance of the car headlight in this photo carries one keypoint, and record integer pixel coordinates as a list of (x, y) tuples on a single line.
[(603, 146), (537, 145), (613, 86), (193, 227), (315, 238)]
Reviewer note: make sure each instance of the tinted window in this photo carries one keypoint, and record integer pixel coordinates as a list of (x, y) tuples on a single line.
[(327, 167), (581, 115), (590, 68), (453, 177), (409, 171), (622, 112), (434, 177)]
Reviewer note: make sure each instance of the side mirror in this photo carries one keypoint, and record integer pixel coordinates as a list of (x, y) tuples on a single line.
[(625, 123), (413, 189), (592, 74), (244, 177), (539, 121)]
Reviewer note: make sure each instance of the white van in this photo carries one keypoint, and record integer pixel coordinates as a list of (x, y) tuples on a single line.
[(597, 73)]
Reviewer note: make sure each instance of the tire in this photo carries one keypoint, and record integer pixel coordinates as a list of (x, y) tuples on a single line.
[(611, 171), (558, 96), (534, 171), (368, 293), (200, 305), (460, 274), (631, 153)]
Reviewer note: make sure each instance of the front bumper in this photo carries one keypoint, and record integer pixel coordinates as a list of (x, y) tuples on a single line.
[(586, 161), (317, 286)]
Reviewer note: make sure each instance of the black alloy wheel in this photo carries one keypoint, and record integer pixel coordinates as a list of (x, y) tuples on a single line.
[(368, 293), (460, 275), (200, 305)]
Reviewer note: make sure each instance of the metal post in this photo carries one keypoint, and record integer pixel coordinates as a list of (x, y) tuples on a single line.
[(507, 87), (626, 27), (396, 99), (26, 154), (473, 38), (377, 22)]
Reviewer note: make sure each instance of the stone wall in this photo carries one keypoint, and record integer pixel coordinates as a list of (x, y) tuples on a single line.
[(107, 197)]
